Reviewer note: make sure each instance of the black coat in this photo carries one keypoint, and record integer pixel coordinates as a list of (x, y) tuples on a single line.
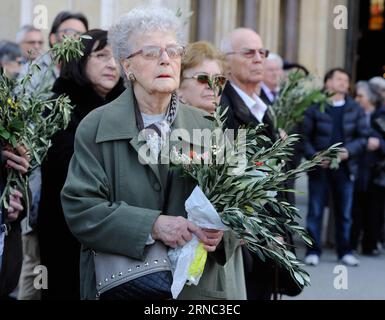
[(239, 114), (265, 98), (317, 132), (59, 250), (261, 277), (371, 163), (13, 250)]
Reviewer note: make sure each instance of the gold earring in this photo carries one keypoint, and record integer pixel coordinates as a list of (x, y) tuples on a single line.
[(131, 77)]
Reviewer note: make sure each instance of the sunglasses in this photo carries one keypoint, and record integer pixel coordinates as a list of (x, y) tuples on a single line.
[(217, 80)]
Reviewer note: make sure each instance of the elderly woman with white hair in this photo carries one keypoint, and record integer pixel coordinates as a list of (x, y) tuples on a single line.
[(116, 203)]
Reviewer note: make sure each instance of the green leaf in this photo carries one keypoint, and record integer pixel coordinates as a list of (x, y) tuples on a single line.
[(299, 278)]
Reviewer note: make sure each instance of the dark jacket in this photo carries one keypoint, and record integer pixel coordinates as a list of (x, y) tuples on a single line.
[(260, 276), (372, 163), (13, 251), (239, 114), (265, 98), (317, 132), (59, 250)]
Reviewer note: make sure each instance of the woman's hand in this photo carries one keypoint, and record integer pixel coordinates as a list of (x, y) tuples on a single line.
[(15, 206), (373, 144), (177, 231), (18, 162)]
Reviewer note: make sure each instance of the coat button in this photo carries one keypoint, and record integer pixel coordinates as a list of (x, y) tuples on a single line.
[(157, 186)]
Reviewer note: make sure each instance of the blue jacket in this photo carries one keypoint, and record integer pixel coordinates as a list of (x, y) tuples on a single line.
[(317, 131)]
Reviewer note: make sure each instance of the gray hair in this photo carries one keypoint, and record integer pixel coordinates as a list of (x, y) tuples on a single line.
[(138, 21), (9, 51), (23, 31), (275, 57), (378, 85), (373, 96)]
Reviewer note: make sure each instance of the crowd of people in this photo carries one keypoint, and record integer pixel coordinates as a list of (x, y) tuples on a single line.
[(93, 193)]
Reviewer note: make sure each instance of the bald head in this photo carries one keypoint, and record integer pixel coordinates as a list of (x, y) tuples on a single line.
[(243, 47), (238, 38)]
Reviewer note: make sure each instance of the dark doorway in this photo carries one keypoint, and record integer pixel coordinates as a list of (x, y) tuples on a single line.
[(371, 40)]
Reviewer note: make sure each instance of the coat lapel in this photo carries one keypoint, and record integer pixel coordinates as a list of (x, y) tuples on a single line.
[(121, 125), (241, 111)]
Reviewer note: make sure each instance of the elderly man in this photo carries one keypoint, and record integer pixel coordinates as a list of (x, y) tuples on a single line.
[(246, 56), (31, 42), (272, 75)]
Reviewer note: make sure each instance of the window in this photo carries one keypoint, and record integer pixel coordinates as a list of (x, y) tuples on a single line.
[(376, 16)]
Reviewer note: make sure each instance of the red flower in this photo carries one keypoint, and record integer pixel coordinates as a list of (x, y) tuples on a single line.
[(259, 164)]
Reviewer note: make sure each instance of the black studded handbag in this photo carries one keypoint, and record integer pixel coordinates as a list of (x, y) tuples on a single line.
[(123, 278)]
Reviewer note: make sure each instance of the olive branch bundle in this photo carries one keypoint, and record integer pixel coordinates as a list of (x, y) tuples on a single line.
[(27, 119), (245, 188)]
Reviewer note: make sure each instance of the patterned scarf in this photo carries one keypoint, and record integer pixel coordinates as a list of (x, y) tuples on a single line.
[(156, 133)]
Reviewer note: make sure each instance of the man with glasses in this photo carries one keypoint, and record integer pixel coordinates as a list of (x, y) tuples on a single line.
[(65, 24), (31, 42), (246, 56)]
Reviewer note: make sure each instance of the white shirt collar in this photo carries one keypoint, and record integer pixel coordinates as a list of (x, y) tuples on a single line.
[(256, 106), (339, 103)]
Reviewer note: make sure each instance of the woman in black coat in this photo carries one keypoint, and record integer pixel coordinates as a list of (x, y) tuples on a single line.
[(91, 82), (369, 193), (11, 254)]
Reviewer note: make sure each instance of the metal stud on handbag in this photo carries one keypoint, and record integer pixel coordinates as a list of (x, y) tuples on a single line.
[(123, 278)]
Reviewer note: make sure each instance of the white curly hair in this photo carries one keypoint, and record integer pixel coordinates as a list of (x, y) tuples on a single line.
[(139, 21)]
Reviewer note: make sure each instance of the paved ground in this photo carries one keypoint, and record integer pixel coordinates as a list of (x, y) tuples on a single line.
[(366, 282)]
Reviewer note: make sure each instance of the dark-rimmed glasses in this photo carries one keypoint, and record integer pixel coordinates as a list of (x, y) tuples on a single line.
[(155, 52)]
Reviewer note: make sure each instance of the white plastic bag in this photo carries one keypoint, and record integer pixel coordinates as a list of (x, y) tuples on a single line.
[(203, 214)]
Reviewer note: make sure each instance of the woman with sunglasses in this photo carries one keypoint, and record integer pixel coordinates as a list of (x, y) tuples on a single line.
[(202, 64), (115, 200)]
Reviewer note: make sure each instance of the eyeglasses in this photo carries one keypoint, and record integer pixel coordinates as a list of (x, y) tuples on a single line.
[(101, 56), (217, 80), (155, 52), (250, 53), (70, 32), (32, 42)]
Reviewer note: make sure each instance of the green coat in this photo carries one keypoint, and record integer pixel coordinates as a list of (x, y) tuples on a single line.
[(111, 200)]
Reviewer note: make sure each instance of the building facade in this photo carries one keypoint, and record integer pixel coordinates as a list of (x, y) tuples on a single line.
[(319, 34)]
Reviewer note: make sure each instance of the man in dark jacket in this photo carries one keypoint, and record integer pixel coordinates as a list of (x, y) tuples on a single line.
[(246, 56), (342, 122), (11, 254)]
